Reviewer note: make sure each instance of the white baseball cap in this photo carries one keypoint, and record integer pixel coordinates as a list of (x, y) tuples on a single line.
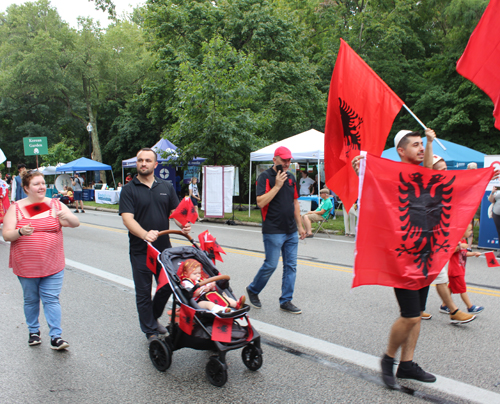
[(436, 158), (400, 135)]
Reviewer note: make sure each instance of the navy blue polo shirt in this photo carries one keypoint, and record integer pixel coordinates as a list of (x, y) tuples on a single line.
[(151, 208), (278, 216)]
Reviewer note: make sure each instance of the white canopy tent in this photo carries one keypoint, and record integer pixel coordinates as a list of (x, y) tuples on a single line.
[(306, 146)]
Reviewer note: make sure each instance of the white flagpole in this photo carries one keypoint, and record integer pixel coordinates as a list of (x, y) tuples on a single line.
[(422, 125)]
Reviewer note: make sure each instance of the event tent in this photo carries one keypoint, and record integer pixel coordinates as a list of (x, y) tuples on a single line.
[(456, 156), (306, 146), (50, 170), (163, 145), (84, 164)]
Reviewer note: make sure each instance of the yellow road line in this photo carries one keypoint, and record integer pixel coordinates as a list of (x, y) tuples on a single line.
[(96, 226), (479, 291)]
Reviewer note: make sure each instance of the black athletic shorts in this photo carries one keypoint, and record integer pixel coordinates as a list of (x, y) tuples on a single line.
[(411, 302)]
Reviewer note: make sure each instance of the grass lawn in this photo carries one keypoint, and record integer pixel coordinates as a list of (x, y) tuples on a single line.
[(100, 205)]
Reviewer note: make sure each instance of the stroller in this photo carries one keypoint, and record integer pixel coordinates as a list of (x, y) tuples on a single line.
[(199, 328)]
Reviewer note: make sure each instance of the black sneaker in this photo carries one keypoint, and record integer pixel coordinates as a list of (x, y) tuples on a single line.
[(410, 370), (35, 338), (290, 307), (387, 365), (58, 344), (76, 211), (254, 299), (160, 328)]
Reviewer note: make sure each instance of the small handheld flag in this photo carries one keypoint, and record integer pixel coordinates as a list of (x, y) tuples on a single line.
[(209, 244), (491, 260), (37, 208), (185, 212)]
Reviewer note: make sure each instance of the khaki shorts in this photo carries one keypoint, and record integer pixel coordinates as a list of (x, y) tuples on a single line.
[(442, 277), (315, 218)]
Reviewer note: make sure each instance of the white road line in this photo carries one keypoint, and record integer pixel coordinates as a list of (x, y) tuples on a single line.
[(129, 283), (443, 384)]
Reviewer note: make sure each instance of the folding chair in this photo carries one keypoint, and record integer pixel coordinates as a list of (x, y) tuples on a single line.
[(320, 224)]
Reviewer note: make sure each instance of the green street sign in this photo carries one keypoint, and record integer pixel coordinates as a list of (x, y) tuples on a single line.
[(35, 145)]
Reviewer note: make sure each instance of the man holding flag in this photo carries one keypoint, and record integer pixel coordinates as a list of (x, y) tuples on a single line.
[(406, 329), (146, 203)]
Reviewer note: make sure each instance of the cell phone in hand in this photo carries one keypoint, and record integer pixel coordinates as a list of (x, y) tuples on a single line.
[(279, 167)]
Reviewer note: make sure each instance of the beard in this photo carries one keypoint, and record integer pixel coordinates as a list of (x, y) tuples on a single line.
[(145, 171)]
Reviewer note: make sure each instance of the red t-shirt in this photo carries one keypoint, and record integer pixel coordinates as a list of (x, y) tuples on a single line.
[(456, 267)]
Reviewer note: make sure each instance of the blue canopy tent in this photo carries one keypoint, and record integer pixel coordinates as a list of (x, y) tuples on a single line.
[(85, 164), (163, 145), (456, 156)]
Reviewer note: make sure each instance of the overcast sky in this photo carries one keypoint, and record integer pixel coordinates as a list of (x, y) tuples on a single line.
[(69, 10)]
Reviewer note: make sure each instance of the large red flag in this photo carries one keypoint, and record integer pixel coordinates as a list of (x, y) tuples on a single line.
[(480, 62), (360, 113), (410, 220)]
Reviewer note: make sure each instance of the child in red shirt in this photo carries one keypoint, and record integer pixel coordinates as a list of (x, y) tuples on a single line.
[(456, 271)]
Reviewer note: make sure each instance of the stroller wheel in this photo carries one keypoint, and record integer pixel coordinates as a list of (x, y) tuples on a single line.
[(160, 354), (252, 357), (216, 372)]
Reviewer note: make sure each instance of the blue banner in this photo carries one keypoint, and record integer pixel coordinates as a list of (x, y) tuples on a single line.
[(488, 236), (190, 173), (166, 173)]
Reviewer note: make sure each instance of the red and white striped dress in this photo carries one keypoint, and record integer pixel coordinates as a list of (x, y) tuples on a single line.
[(42, 253)]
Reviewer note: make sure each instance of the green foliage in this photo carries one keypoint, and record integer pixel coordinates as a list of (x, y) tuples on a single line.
[(217, 115), (59, 153)]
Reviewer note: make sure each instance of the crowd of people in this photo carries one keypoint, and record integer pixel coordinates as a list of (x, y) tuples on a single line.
[(146, 203)]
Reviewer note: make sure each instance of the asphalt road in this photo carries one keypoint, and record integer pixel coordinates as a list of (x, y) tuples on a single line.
[(327, 354)]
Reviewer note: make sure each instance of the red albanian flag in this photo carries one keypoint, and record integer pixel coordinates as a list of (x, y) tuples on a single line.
[(222, 329), (491, 260), (360, 113), (162, 278), (185, 212), (209, 244), (410, 220), (152, 258), (186, 319), (480, 62), (37, 208)]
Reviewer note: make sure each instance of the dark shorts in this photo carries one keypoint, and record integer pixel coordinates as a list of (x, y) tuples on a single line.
[(411, 302), (194, 200), (78, 195), (457, 284)]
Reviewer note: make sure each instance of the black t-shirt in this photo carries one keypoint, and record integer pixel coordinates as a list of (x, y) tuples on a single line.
[(278, 217), (151, 208)]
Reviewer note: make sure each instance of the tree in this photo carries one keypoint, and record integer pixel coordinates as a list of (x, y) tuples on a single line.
[(216, 113), (59, 153)]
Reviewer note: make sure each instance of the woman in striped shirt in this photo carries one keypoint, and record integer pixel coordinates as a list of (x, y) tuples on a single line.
[(33, 226)]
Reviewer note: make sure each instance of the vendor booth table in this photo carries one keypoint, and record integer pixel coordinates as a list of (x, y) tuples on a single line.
[(107, 197)]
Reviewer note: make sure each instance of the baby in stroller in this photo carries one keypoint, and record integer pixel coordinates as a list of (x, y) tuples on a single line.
[(191, 273)]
